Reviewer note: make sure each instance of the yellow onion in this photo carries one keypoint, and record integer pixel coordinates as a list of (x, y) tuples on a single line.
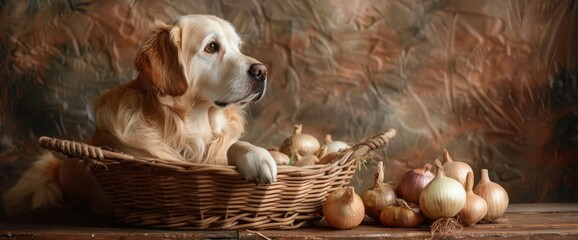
[(280, 158), (334, 146), (401, 214), (443, 197), (300, 143), (476, 207), (322, 152), (328, 158), (306, 160), (413, 182), (343, 209), (456, 170), (495, 195), (379, 196)]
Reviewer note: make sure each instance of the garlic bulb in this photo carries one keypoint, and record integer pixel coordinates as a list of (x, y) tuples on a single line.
[(280, 158), (401, 214), (476, 207), (300, 143), (343, 209), (456, 170), (495, 195), (413, 182), (443, 197), (334, 146), (379, 196)]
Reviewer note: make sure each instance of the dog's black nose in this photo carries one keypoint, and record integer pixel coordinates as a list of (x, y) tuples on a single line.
[(259, 71)]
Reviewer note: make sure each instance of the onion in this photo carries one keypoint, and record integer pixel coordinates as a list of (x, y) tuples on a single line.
[(280, 158), (495, 195), (322, 152), (379, 196), (343, 209), (443, 197), (413, 182), (456, 170), (476, 207), (300, 143), (334, 146), (401, 214), (330, 157), (306, 160)]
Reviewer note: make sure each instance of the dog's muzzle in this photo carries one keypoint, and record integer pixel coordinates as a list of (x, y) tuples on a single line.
[(258, 75)]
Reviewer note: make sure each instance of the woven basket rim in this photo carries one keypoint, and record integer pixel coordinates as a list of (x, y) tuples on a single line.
[(191, 166), (99, 156)]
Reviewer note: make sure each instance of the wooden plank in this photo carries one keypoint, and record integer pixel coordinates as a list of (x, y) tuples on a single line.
[(67, 225), (522, 221), (53, 234), (525, 222), (542, 207)]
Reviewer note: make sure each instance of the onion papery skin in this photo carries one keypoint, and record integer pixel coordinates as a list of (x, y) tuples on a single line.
[(495, 195), (476, 207), (413, 182), (280, 158), (306, 161), (300, 143), (334, 146), (343, 209), (456, 170), (399, 216), (379, 196), (330, 157), (443, 197)]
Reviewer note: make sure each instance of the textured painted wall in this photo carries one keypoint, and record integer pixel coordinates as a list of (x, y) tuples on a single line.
[(494, 82)]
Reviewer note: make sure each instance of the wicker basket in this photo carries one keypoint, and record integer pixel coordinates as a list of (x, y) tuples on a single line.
[(156, 193)]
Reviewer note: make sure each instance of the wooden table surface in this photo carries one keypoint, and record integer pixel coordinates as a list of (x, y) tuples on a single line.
[(521, 221)]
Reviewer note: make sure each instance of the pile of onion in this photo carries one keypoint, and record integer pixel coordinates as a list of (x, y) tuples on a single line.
[(379, 196), (441, 200)]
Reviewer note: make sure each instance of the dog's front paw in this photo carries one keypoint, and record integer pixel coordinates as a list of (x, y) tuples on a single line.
[(254, 163)]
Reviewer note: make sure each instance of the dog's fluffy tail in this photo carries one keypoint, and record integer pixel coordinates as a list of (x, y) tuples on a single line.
[(37, 188)]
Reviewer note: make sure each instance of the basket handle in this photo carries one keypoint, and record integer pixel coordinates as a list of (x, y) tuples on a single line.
[(366, 146), (80, 150)]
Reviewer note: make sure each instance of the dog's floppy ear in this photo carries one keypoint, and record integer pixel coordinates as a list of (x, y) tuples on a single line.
[(158, 61)]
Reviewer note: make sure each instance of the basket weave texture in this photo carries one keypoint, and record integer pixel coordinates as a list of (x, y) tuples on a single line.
[(156, 193)]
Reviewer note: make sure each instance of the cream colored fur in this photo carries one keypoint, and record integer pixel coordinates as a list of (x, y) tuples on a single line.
[(187, 104), (36, 188)]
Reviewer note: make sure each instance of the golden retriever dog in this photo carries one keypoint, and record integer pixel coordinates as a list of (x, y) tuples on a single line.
[(186, 104)]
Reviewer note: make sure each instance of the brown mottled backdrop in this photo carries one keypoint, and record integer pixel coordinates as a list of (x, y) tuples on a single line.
[(494, 82)]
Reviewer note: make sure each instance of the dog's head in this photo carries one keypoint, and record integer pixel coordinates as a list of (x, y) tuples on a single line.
[(199, 56)]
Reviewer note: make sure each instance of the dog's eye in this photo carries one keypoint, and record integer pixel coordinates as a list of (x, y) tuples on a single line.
[(212, 47)]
